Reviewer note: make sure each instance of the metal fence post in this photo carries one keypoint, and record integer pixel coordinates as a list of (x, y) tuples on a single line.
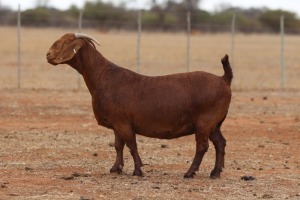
[(188, 19), (79, 30), (282, 52), (80, 20), (19, 46), (233, 40), (138, 48)]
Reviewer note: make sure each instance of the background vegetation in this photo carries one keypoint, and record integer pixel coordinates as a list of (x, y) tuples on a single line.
[(168, 16)]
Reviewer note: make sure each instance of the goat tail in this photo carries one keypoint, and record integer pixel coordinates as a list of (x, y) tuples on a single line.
[(228, 75)]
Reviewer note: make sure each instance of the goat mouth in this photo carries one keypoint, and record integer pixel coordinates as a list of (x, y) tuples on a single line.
[(51, 61)]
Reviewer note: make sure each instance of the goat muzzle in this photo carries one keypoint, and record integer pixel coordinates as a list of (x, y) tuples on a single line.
[(50, 58)]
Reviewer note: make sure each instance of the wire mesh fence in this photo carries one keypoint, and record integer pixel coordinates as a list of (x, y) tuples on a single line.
[(261, 60)]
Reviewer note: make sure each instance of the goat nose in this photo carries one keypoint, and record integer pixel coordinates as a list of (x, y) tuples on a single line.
[(48, 54)]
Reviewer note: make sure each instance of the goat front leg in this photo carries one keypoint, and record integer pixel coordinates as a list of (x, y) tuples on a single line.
[(201, 149), (119, 163), (131, 144), (128, 136)]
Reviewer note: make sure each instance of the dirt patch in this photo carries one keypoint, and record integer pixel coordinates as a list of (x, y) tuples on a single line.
[(52, 148)]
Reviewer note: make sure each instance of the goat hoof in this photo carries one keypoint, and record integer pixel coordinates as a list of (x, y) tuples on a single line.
[(189, 175), (215, 174), (137, 172), (116, 169)]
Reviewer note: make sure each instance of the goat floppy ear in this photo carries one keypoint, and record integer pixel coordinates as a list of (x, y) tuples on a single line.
[(67, 52)]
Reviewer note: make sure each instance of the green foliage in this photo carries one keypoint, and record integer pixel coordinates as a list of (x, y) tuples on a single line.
[(105, 12), (222, 18), (7, 17), (247, 24), (150, 18), (170, 19), (202, 16), (73, 11), (38, 16), (168, 16), (271, 19)]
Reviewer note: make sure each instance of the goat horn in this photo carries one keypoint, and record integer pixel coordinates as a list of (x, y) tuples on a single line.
[(81, 35)]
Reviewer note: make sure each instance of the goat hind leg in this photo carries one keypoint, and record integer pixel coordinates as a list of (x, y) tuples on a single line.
[(201, 149), (219, 142)]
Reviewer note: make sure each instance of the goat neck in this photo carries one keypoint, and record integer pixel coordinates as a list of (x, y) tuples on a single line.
[(92, 66)]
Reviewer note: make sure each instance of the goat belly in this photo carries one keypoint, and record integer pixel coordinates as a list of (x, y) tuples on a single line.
[(165, 121), (164, 131)]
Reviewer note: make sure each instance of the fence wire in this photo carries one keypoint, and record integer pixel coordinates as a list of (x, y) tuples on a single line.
[(257, 56)]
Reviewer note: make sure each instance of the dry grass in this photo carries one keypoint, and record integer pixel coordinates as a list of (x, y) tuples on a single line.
[(257, 64)]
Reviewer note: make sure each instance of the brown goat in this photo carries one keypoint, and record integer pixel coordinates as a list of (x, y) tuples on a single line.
[(162, 107)]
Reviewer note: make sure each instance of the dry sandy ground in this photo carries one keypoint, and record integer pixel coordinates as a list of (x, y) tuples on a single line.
[(52, 148)]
